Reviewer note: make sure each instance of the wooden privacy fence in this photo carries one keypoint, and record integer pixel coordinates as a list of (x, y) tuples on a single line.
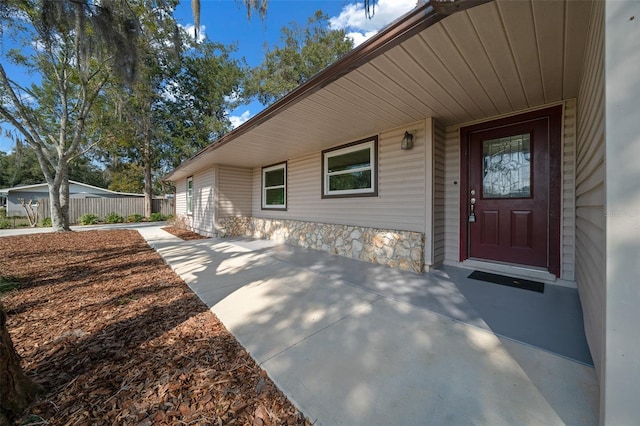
[(101, 207)]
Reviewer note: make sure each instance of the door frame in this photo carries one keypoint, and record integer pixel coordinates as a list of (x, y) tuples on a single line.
[(554, 119)]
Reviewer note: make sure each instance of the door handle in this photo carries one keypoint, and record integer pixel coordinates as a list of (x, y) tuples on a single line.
[(472, 208)]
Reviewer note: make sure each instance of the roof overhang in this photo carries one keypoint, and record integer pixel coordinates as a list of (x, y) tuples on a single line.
[(493, 59)]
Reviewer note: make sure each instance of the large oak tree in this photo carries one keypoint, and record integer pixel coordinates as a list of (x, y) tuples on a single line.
[(72, 48)]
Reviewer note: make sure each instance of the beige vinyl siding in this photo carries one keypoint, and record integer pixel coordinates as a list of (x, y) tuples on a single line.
[(400, 203), (568, 232), (181, 197), (590, 192), (452, 195), (439, 179), (204, 202), (234, 191), (452, 192)]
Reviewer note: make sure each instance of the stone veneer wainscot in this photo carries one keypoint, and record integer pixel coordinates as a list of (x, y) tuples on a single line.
[(396, 249)]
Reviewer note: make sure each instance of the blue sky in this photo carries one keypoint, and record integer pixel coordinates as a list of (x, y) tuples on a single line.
[(225, 21)]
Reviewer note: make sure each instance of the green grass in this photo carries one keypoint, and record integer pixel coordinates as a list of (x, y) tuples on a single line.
[(13, 222), (7, 284)]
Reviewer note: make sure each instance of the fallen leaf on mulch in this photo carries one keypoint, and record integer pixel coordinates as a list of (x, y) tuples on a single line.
[(183, 233), (115, 337)]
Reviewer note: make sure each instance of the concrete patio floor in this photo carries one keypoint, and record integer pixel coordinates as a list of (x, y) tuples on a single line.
[(352, 343)]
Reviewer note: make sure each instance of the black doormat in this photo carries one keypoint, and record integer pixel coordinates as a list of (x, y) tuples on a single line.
[(508, 281)]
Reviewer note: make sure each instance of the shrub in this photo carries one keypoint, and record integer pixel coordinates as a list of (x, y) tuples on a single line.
[(179, 222), (113, 217), (46, 222), (135, 217), (4, 223), (88, 219), (3, 213), (157, 217)]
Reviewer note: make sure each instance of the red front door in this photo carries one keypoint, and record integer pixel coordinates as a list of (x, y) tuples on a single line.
[(510, 191)]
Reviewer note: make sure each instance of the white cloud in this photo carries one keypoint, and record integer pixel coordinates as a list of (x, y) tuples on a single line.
[(232, 98), (359, 28), (190, 29), (359, 38), (238, 120), (171, 91)]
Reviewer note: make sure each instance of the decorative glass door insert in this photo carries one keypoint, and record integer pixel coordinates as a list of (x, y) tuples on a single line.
[(506, 164)]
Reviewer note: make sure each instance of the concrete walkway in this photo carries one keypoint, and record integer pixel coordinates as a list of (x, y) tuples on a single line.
[(352, 343), (348, 354), (45, 230)]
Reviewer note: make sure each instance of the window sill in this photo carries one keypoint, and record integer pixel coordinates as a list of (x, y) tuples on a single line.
[(368, 194)]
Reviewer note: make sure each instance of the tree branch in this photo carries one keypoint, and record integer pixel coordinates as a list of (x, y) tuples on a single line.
[(32, 134), (86, 102)]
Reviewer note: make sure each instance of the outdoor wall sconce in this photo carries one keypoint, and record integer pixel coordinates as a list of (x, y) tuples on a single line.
[(407, 141)]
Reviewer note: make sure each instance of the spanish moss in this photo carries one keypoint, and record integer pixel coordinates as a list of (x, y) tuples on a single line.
[(195, 9), (370, 8)]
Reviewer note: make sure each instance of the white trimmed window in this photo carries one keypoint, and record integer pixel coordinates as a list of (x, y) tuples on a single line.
[(274, 187), (189, 195), (350, 170)]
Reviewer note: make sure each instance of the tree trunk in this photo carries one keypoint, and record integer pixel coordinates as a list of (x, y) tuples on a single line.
[(148, 184), (58, 220), (148, 189), (59, 200), (64, 198), (17, 390)]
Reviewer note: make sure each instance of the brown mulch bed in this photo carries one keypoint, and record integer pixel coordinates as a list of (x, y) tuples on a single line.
[(183, 233), (115, 337)]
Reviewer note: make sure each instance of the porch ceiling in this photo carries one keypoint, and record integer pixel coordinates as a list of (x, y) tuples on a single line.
[(492, 59)]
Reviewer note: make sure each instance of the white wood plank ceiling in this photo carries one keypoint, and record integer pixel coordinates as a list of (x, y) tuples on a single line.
[(492, 59)]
